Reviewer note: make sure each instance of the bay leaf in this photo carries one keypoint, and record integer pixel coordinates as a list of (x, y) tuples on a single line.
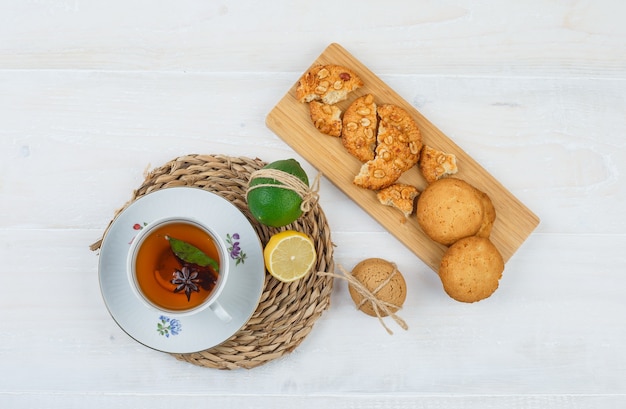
[(191, 254)]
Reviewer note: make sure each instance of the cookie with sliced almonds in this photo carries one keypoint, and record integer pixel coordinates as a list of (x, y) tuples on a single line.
[(359, 128), (399, 195), (326, 118), (399, 143), (435, 164), (328, 83)]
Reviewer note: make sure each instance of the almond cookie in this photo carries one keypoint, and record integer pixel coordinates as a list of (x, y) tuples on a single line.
[(359, 128), (435, 164), (450, 209), (329, 83), (377, 174), (399, 142), (326, 118), (400, 196), (381, 278), (470, 269)]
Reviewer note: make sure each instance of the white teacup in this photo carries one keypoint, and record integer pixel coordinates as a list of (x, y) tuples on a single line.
[(171, 284)]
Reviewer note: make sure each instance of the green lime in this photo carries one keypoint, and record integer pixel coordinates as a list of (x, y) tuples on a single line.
[(276, 206)]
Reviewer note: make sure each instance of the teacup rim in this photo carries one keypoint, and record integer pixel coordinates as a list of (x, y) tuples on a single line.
[(223, 273)]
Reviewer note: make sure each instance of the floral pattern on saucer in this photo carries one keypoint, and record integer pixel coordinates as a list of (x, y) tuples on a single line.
[(137, 227), (234, 250), (168, 326)]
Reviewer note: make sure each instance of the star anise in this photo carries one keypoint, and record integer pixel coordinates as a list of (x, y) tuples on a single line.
[(186, 280)]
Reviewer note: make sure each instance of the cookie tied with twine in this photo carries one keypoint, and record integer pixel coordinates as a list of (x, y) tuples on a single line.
[(377, 288)]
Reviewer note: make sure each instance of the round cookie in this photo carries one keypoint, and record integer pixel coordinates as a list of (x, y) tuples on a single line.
[(372, 273), (489, 216), (471, 269), (450, 209)]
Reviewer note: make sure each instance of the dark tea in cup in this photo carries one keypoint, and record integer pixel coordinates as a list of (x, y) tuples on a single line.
[(176, 266)]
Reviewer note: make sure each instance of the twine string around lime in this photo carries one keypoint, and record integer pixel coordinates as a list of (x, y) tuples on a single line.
[(309, 195), (377, 304)]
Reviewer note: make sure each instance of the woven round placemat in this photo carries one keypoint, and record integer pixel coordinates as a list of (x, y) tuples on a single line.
[(287, 311)]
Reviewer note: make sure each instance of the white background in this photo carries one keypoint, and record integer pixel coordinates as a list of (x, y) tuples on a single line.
[(93, 93)]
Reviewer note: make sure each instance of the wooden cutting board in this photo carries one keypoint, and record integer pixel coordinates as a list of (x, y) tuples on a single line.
[(290, 120)]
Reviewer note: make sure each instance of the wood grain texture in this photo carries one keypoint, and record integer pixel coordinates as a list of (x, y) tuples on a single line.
[(290, 120)]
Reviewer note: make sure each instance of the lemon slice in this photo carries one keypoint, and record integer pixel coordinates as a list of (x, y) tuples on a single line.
[(289, 255)]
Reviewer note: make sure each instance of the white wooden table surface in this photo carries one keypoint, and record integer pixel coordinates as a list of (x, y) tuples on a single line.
[(92, 93)]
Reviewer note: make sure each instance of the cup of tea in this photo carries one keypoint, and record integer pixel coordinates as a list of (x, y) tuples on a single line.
[(179, 266)]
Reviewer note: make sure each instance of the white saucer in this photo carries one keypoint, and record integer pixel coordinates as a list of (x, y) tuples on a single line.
[(202, 330)]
